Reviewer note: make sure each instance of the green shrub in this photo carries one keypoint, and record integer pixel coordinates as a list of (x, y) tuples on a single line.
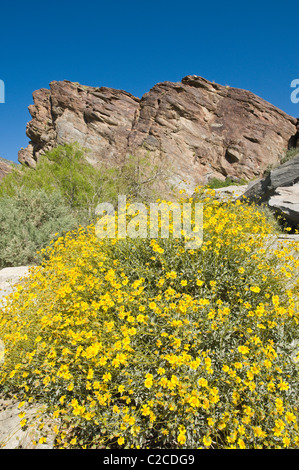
[(28, 222), (145, 343)]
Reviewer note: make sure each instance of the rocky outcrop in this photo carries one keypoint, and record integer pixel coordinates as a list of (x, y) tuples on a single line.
[(286, 202), (13, 436), (5, 167), (199, 129), (279, 190)]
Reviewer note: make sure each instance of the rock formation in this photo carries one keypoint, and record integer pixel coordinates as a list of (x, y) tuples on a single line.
[(5, 167), (279, 190), (199, 129)]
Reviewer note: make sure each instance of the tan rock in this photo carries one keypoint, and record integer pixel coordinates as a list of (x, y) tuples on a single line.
[(10, 277), (199, 129), (286, 202), (15, 436)]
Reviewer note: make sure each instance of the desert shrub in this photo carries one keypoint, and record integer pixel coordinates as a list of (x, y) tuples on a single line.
[(144, 179), (64, 169), (146, 343), (273, 219), (215, 183), (28, 222)]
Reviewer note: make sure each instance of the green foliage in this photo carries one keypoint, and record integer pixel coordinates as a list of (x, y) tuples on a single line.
[(28, 222), (82, 185)]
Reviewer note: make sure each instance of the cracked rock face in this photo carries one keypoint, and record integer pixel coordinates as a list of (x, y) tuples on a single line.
[(199, 129)]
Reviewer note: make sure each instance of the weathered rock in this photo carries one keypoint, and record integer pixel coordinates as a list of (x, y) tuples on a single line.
[(5, 167), (286, 174), (199, 129), (279, 190)]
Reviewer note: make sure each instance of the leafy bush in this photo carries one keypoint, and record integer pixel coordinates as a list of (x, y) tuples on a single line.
[(28, 222), (66, 171), (82, 186), (145, 343), (289, 154)]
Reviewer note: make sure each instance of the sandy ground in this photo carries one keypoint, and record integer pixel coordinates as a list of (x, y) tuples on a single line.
[(13, 436)]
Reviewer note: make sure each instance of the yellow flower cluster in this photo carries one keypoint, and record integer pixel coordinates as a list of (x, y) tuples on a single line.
[(144, 343)]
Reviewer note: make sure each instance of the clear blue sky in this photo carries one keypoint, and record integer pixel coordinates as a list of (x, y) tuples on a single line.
[(133, 45)]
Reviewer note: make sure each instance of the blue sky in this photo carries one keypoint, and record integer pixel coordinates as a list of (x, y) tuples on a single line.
[(134, 45)]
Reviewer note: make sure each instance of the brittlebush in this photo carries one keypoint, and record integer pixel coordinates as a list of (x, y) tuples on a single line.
[(143, 343)]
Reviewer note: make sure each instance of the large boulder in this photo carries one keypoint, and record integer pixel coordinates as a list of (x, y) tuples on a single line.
[(279, 190), (200, 130), (5, 167), (9, 278)]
